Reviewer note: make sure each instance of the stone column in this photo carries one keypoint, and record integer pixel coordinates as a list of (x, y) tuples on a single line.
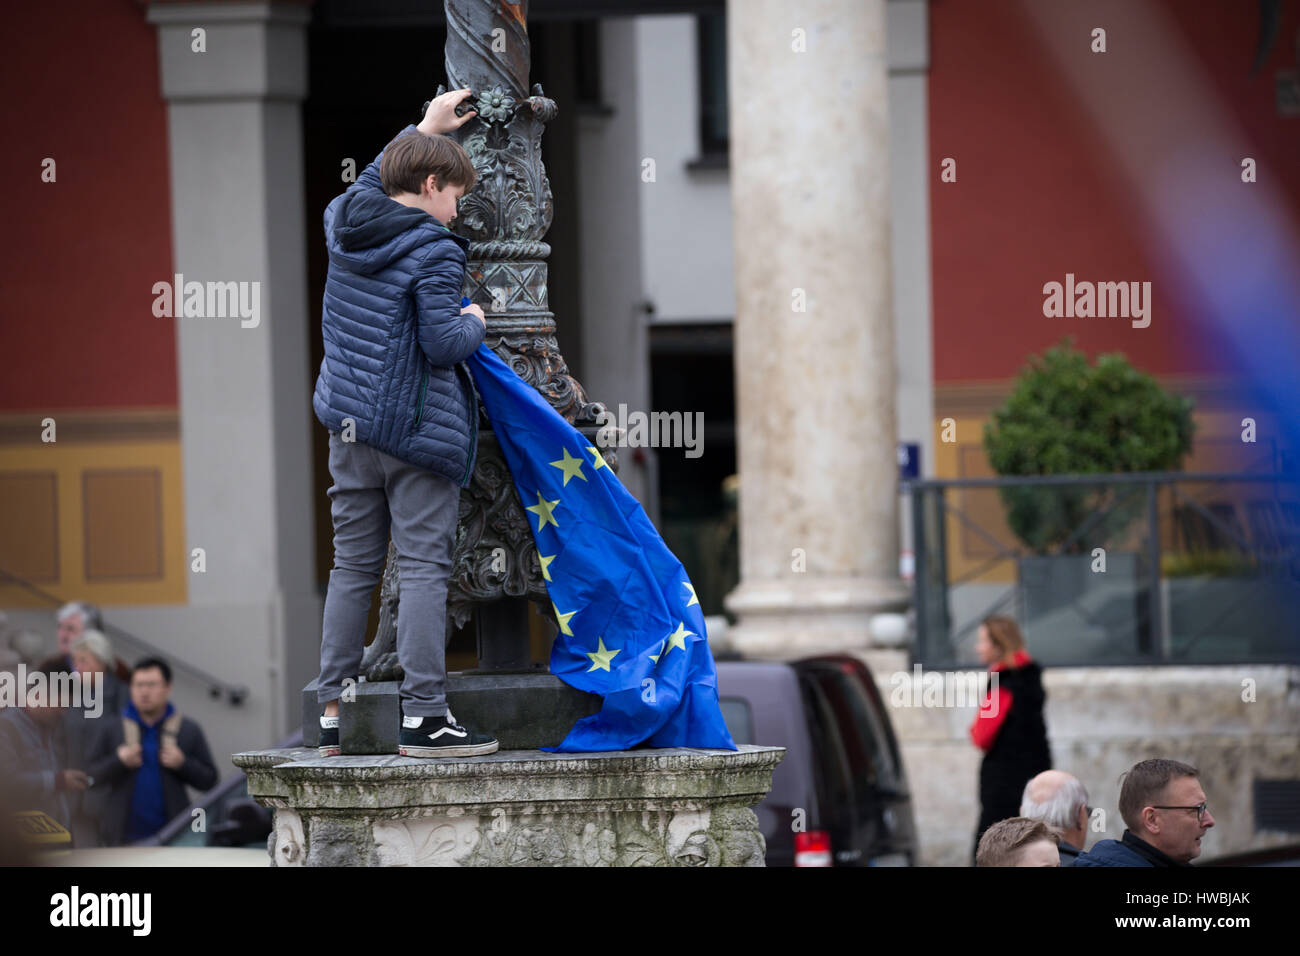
[(814, 341), (234, 76)]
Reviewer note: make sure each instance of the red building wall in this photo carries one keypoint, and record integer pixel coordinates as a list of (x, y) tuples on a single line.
[(1039, 191), (81, 254)]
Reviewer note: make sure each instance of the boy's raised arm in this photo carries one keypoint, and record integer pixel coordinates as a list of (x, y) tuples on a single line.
[(446, 334), (440, 117)]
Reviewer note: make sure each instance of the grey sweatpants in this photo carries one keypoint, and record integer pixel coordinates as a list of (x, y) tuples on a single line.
[(374, 495)]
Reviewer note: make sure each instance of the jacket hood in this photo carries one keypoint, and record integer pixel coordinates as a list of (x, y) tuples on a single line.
[(365, 230)]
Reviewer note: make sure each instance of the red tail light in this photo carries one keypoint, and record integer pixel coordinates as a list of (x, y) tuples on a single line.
[(812, 848)]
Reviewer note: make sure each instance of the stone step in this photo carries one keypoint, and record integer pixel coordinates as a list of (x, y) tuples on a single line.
[(524, 710)]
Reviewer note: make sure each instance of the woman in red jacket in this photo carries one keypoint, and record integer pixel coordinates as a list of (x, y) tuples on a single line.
[(1009, 725)]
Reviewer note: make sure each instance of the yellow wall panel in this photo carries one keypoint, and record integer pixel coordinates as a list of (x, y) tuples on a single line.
[(147, 564), (29, 525)]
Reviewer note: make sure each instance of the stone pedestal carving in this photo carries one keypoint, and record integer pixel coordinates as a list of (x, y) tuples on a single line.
[(650, 807)]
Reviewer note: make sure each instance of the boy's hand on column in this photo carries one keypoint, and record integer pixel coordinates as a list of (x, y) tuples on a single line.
[(441, 116)]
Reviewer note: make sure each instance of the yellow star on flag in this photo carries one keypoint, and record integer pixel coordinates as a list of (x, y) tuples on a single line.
[(543, 510), (563, 619), (678, 637), (655, 657), (600, 462), (572, 467), (691, 588), (602, 656), (545, 561)]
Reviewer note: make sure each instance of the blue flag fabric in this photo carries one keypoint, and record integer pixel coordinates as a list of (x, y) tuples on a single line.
[(631, 628)]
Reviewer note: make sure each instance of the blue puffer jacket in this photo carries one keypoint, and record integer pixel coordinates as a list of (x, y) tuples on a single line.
[(395, 336)]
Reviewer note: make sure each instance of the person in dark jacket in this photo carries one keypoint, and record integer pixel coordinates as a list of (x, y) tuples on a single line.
[(31, 777), (142, 762), (402, 413), (92, 656), (1009, 726), (1163, 802)]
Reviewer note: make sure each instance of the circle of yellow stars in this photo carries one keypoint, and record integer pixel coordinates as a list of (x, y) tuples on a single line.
[(545, 511)]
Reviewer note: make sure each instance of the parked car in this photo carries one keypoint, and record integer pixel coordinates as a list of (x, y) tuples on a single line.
[(840, 797)]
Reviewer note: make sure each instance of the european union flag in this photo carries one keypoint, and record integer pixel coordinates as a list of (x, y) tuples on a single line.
[(630, 624)]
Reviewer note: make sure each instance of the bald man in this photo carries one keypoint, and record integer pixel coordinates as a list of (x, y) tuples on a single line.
[(1058, 799)]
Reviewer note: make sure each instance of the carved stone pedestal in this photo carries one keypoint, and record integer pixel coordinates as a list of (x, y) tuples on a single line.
[(651, 807)]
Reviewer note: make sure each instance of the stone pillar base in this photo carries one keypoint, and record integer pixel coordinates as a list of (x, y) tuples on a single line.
[(649, 807), (797, 617), (523, 710)]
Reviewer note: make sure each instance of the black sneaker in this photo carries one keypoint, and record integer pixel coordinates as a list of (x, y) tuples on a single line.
[(441, 737), (329, 737)]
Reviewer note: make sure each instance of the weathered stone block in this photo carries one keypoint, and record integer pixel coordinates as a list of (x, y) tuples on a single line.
[(370, 722), (647, 807), (524, 711), (311, 714)]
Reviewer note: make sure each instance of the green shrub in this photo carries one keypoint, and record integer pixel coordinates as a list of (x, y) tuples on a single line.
[(1067, 417), (1216, 564)]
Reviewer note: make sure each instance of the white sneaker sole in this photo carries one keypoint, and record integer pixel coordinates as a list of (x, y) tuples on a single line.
[(464, 750)]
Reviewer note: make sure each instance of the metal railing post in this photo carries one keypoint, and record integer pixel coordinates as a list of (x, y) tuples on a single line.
[(920, 569), (1155, 604)]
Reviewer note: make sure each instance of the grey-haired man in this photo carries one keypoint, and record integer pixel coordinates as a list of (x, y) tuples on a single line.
[(1058, 799)]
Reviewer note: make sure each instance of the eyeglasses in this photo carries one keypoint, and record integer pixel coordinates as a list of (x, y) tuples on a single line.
[(1200, 809)]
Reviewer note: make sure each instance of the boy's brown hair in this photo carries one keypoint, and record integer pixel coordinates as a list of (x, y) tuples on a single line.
[(1001, 843), (411, 159)]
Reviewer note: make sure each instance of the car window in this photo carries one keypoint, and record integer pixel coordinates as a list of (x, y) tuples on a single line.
[(860, 765), (867, 760), (739, 719), (884, 729), (867, 739), (830, 763)]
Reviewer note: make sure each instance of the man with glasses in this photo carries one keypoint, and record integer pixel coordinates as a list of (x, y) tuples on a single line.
[(144, 760), (1165, 812)]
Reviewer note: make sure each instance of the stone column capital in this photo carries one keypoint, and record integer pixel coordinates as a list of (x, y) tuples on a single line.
[(246, 50)]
